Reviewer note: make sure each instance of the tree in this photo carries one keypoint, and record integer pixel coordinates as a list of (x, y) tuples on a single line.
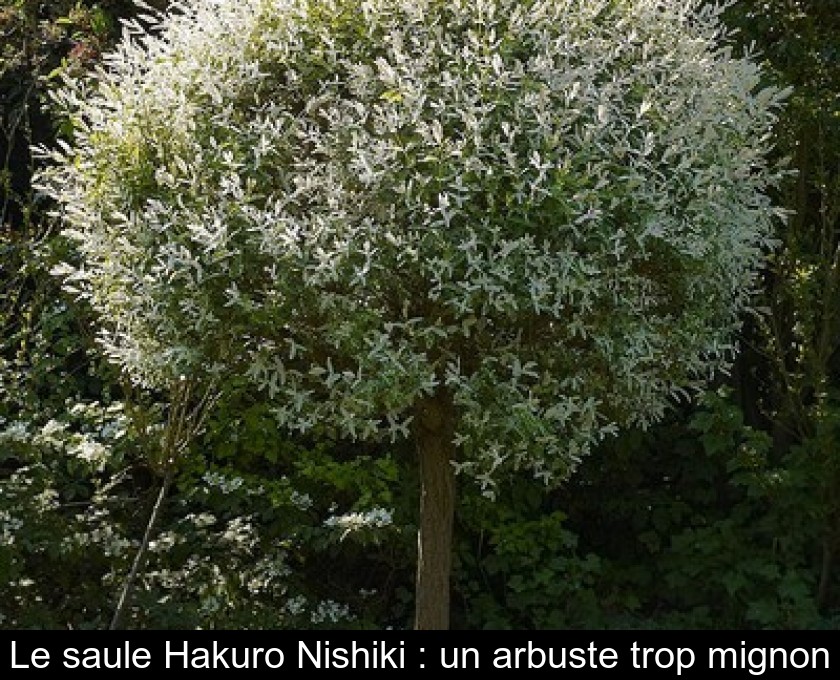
[(799, 342), (502, 229)]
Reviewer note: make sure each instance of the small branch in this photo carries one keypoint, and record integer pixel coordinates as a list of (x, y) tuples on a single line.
[(183, 426), (140, 557)]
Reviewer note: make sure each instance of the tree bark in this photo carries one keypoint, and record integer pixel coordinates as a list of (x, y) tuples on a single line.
[(434, 432)]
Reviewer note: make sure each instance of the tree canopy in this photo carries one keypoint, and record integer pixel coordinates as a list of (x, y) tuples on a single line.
[(551, 211)]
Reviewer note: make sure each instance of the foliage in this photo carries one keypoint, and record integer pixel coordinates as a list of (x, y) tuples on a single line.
[(234, 551), (688, 526), (231, 188), (724, 516), (796, 347), (238, 546), (519, 567), (62, 430), (716, 534)]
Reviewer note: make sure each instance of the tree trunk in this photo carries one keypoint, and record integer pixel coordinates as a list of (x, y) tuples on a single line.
[(434, 432)]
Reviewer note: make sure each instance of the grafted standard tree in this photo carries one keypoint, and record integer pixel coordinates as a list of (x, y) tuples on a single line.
[(500, 228)]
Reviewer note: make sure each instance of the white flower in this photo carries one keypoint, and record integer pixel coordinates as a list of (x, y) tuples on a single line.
[(330, 611), (90, 451), (375, 518)]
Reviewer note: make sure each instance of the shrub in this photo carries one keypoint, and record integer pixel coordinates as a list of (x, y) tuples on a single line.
[(504, 228)]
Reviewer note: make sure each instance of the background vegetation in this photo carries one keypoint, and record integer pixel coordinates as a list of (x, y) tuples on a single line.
[(726, 515)]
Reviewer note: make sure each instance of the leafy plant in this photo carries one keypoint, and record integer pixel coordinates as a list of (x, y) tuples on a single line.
[(489, 227)]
